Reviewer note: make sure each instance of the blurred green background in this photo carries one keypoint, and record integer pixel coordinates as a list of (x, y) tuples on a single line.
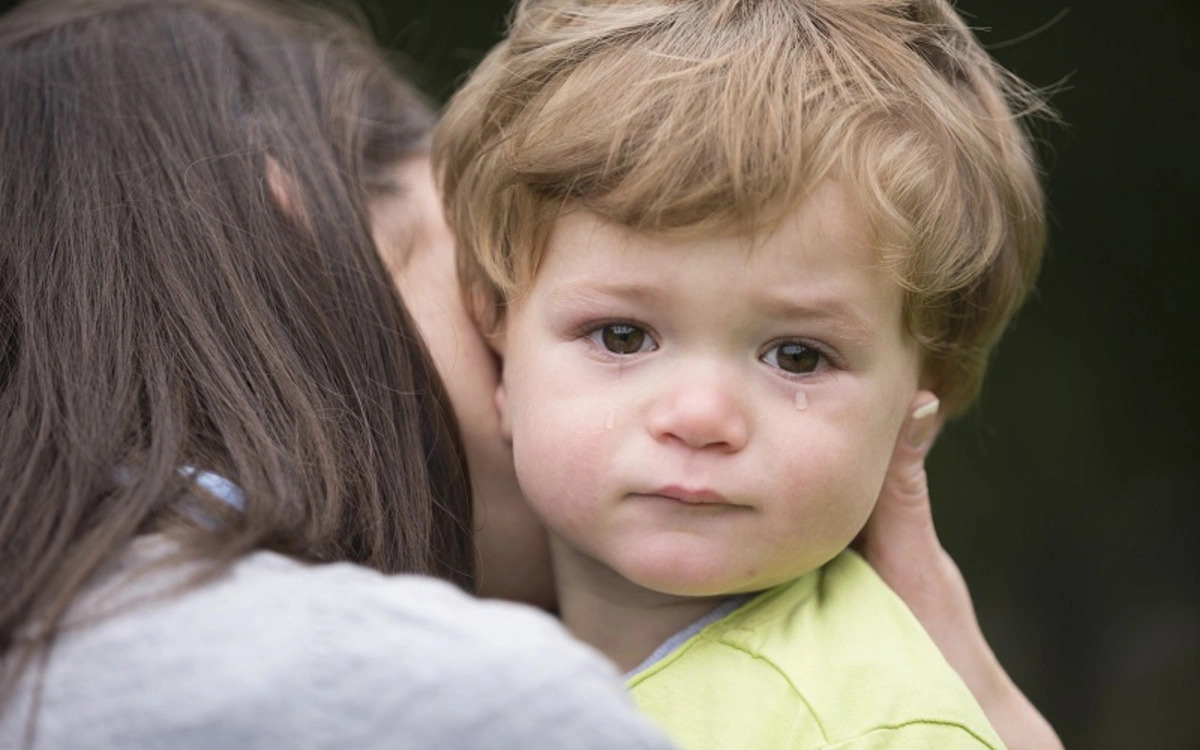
[(1070, 496)]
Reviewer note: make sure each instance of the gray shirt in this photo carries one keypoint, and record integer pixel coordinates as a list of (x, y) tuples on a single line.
[(276, 654)]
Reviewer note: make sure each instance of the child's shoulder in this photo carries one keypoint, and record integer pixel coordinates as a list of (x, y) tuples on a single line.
[(833, 657)]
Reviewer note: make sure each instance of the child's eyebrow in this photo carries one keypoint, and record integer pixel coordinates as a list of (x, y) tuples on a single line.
[(841, 315), (577, 293)]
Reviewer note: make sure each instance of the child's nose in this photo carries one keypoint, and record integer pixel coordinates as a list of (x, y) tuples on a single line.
[(701, 413)]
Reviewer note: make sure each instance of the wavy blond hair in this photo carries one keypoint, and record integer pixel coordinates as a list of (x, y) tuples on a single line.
[(701, 116)]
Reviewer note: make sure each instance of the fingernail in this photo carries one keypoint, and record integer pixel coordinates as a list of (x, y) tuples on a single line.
[(924, 420)]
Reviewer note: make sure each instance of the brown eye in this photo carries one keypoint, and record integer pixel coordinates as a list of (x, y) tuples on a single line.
[(622, 338), (793, 357)]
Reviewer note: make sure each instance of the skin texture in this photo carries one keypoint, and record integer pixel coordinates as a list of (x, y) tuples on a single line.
[(513, 552), (661, 376), (899, 539)]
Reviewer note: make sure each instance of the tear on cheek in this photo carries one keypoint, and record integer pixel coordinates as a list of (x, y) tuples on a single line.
[(801, 400)]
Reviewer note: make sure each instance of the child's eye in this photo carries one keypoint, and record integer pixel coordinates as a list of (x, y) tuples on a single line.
[(623, 338), (793, 357)]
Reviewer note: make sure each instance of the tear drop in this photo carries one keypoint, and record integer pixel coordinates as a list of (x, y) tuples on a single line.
[(801, 400)]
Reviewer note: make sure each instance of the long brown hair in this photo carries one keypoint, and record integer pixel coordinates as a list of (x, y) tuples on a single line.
[(162, 308)]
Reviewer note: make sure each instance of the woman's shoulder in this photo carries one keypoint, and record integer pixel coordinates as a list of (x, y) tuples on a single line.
[(275, 652)]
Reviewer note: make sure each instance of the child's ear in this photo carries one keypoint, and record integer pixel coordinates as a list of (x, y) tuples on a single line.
[(496, 340), (502, 409), (487, 315)]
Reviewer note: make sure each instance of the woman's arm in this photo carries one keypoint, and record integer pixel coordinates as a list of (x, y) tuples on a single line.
[(901, 543)]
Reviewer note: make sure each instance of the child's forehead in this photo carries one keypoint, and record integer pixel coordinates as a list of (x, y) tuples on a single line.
[(819, 245), (831, 207)]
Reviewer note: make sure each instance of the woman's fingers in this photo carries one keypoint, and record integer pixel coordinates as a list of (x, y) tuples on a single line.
[(901, 543), (901, 525)]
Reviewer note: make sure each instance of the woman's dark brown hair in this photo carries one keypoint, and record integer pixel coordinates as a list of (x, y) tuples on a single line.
[(188, 279)]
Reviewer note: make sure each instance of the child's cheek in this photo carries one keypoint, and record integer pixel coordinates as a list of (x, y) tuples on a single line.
[(559, 448)]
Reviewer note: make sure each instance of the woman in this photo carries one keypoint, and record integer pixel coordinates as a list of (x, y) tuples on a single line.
[(213, 400), (194, 315)]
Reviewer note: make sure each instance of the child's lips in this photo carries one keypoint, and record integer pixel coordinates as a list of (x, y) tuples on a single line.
[(689, 495)]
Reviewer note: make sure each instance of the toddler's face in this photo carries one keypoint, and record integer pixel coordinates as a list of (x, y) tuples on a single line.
[(707, 416)]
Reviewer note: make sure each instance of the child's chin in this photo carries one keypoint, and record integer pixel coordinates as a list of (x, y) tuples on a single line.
[(694, 581)]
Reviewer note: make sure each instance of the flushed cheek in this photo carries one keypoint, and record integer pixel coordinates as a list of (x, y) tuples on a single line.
[(567, 501), (825, 481), (857, 439), (563, 456), (823, 506)]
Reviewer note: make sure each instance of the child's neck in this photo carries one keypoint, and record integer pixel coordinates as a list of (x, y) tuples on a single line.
[(626, 622)]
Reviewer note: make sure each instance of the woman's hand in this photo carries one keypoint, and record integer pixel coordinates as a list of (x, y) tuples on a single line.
[(901, 543)]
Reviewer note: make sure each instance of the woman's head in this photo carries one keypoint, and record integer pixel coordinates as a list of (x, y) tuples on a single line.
[(416, 244), (188, 278)]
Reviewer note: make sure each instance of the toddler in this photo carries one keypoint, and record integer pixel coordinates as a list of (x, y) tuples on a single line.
[(724, 249)]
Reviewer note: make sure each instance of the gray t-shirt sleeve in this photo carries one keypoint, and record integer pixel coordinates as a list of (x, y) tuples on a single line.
[(281, 655)]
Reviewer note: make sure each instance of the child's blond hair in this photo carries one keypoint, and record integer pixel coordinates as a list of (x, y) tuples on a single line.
[(701, 116)]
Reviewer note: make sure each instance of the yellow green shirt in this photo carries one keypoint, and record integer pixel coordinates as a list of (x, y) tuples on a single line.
[(833, 659)]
